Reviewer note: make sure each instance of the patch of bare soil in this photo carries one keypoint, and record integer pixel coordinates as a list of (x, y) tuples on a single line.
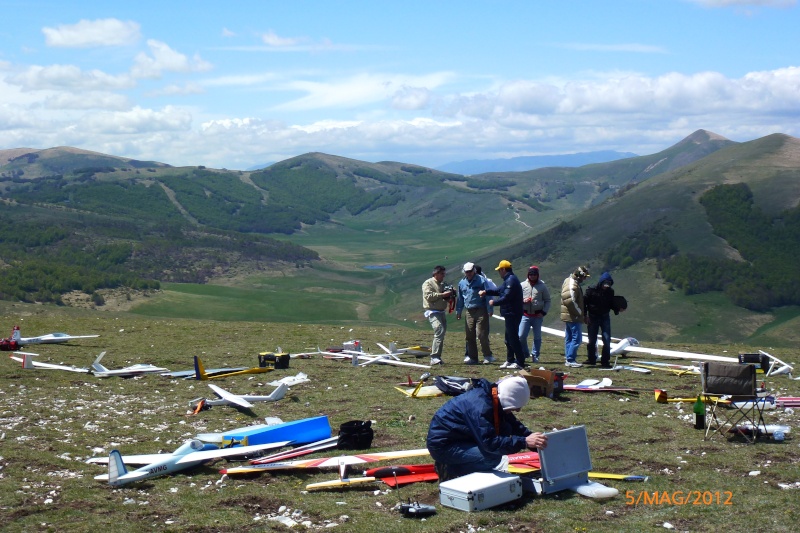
[(114, 299)]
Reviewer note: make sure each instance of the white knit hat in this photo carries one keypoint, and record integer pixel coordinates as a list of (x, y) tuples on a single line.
[(513, 392)]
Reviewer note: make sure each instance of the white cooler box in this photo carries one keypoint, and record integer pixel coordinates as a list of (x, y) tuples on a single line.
[(480, 490)]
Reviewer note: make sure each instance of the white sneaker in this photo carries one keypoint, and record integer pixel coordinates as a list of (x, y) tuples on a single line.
[(513, 366), (488, 360), (467, 359), (435, 361), (573, 364), (505, 365)]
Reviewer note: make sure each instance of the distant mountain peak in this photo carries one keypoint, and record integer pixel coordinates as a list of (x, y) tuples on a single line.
[(703, 136)]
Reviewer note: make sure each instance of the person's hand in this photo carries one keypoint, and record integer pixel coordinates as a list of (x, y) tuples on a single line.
[(481, 293), (536, 441), (458, 316), (491, 302), (447, 294), (527, 300)]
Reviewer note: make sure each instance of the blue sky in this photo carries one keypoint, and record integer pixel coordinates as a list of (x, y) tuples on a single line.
[(248, 82)]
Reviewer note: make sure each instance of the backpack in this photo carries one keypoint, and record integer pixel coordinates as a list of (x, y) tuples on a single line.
[(355, 435)]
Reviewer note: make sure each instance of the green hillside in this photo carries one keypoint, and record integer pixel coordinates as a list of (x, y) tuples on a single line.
[(354, 240)]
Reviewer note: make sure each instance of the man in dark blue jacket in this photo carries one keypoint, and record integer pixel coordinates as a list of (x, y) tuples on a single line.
[(599, 301), (475, 430), (509, 298)]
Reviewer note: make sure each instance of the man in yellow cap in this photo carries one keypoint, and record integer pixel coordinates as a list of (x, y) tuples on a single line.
[(509, 298)]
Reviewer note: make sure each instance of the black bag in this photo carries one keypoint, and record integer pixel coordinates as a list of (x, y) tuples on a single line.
[(355, 435)]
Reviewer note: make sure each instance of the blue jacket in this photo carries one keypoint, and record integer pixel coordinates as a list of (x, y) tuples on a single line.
[(470, 418), (468, 293), (509, 296)]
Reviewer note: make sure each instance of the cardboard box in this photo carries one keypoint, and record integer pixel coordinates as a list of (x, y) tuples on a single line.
[(541, 382), (480, 490)]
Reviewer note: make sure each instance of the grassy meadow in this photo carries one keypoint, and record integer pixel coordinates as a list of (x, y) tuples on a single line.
[(51, 421)]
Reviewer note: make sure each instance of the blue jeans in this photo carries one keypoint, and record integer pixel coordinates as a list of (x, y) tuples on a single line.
[(572, 340), (603, 324), (465, 458), (528, 323)]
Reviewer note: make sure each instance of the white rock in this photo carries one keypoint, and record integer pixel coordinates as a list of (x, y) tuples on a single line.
[(667, 525), (755, 473)]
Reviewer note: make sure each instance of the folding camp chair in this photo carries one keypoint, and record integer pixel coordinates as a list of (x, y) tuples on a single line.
[(743, 413)]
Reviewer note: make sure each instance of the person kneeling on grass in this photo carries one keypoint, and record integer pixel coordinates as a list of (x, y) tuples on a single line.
[(475, 431)]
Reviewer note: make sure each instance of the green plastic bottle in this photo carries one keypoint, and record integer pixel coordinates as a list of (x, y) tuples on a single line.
[(699, 413)]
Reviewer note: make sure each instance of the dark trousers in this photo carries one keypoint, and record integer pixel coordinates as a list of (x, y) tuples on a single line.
[(600, 323), (514, 351)]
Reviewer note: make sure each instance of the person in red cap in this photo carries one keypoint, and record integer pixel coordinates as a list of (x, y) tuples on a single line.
[(536, 304)]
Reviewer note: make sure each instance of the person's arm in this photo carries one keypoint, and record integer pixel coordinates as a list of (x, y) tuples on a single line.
[(546, 298)]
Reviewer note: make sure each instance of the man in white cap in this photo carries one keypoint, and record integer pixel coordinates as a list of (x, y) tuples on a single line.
[(476, 327), (474, 431)]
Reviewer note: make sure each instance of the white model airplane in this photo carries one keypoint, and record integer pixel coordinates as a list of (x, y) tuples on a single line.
[(190, 454), (240, 400), (360, 358), (127, 372), (50, 338), (631, 345), (29, 363)]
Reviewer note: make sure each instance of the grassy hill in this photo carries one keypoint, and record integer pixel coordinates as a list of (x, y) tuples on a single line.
[(300, 240)]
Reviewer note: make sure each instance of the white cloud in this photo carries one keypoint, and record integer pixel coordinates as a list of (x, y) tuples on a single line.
[(137, 120), (357, 91), (82, 100), (177, 90), (164, 58), (228, 33), (68, 77), (270, 38), (92, 33), (411, 98)]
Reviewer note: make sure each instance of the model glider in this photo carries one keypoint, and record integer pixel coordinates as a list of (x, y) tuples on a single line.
[(306, 449), (326, 462), (29, 363), (139, 369), (631, 345), (50, 338), (245, 401), (362, 358), (291, 381), (201, 374), (190, 454)]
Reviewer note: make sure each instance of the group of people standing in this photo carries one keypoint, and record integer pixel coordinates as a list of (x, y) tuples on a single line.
[(523, 306)]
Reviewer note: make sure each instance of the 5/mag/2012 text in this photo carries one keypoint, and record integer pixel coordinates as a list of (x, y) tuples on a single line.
[(679, 497)]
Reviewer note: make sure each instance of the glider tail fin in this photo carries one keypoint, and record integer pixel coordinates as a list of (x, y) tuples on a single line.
[(97, 366), (27, 361), (15, 334), (199, 370), (116, 467), (278, 393)]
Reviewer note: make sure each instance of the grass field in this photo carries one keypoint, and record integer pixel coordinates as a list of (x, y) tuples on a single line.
[(50, 421)]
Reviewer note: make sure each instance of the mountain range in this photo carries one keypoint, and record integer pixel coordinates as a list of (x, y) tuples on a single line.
[(704, 225), (523, 163)]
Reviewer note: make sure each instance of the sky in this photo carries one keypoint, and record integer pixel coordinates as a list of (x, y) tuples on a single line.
[(249, 82)]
